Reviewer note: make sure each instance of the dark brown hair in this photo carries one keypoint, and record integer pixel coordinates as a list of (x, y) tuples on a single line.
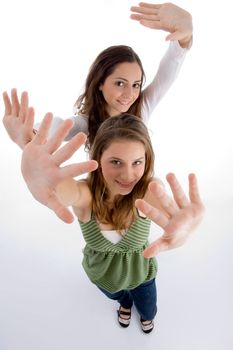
[(92, 103)]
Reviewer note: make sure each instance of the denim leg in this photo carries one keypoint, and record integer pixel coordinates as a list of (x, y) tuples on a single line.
[(145, 299), (123, 297)]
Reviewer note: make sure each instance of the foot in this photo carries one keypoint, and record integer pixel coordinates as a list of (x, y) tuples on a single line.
[(124, 316), (147, 326)]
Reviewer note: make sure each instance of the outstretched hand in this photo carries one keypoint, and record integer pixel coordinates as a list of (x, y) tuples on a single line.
[(167, 17), (184, 214), (41, 162), (18, 118)]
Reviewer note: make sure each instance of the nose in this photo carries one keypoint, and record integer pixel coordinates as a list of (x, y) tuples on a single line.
[(128, 91), (127, 174)]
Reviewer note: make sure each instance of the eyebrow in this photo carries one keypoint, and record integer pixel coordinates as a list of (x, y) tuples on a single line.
[(136, 81), (116, 158)]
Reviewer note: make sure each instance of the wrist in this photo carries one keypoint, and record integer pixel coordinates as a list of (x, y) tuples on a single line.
[(22, 142), (186, 42)]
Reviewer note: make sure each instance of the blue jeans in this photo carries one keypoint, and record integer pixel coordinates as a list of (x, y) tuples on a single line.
[(144, 297)]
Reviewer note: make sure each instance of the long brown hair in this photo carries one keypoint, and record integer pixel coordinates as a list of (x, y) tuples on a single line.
[(92, 103), (122, 127)]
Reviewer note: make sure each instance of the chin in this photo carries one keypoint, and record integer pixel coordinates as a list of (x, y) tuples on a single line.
[(124, 110), (125, 192)]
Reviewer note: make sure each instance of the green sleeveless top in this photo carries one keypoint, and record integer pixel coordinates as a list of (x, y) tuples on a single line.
[(114, 267)]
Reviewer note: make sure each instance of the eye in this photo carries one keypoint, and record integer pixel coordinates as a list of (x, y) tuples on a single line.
[(120, 83), (137, 85), (138, 162), (115, 162)]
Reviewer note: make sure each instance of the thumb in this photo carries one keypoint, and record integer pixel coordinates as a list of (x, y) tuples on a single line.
[(60, 210), (154, 248), (174, 36), (65, 215)]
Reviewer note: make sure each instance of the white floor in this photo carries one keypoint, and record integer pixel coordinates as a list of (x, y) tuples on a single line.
[(47, 302)]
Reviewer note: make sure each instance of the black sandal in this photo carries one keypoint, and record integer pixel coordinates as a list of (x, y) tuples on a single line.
[(147, 328), (124, 322)]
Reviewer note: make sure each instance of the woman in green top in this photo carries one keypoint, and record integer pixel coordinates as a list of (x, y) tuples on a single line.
[(113, 206)]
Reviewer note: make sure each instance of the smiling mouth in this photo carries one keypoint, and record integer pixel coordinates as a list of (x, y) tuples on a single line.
[(125, 184), (125, 104)]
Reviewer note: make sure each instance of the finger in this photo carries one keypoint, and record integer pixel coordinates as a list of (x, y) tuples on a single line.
[(60, 210), (155, 248), (15, 102), (7, 103), (151, 24), (74, 170), (42, 133), (144, 11), (23, 106), (59, 136), (69, 149), (193, 190), (29, 119), (152, 213), (145, 17), (178, 193), (166, 202), (171, 37), (146, 4)]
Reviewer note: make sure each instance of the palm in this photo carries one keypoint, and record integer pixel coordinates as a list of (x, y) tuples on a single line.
[(40, 172), (18, 118), (41, 162), (183, 215), (167, 17), (19, 132)]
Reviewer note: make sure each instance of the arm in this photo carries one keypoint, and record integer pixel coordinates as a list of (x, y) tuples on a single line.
[(184, 214), (18, 118), (178, 22), (42, 171), (80, 124)]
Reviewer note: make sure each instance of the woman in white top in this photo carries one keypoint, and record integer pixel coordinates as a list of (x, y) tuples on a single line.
[(114, 83)]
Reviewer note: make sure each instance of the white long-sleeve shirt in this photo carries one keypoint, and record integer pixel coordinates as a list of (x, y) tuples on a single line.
[(168, 70)]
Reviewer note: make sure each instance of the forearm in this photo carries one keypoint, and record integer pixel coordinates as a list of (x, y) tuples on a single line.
[(167, 73)]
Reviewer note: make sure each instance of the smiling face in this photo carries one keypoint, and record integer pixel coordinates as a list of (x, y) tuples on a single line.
[(121, 88), (123, 165)]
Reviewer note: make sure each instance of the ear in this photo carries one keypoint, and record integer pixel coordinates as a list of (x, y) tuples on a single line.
[(101, 87)]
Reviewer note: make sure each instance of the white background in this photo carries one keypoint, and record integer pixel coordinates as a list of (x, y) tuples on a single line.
[(46, 301)]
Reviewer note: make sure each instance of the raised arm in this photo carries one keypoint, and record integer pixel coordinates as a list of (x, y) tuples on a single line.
[(184, 214), (178, 23), (18, 119), (41, 165)]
